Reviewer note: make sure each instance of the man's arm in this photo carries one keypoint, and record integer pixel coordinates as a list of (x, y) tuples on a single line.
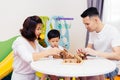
[(90, 46), (114, 55)]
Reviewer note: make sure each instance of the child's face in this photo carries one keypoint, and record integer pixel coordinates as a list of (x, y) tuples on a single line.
[(54, 42)]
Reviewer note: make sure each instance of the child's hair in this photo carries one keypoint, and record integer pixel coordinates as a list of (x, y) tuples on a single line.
[(53, 34)]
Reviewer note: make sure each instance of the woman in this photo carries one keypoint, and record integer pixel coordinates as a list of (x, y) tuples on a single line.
[(27, 49)]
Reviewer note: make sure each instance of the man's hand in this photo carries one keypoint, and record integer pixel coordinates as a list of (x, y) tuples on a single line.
[(90, 51), (87, 51)]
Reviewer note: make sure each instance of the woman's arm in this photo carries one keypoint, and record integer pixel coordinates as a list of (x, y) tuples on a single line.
[(46, 53)]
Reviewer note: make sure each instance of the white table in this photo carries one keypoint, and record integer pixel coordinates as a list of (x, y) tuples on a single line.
[(90, 67)]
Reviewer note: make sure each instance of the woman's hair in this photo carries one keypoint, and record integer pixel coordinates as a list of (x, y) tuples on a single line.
[(29, 26), (53, 34)]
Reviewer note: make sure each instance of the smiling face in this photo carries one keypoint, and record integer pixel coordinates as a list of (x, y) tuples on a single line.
[(38, 30), (54, 42), (90, 23)]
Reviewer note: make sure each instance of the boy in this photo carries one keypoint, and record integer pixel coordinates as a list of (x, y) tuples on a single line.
[(53, 38)]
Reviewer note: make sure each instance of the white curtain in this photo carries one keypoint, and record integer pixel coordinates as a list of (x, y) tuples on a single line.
[(111, 13)]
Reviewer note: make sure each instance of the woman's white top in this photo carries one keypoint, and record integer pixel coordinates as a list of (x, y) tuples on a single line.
[(23, 55)]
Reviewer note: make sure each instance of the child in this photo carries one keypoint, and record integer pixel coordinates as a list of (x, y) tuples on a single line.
[(53, 38)]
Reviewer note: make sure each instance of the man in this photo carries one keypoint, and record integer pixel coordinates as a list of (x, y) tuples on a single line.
[(104, 40)]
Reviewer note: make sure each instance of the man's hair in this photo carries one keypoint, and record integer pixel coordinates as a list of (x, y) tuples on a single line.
[(53, 34), (92, 11), (29, 26)]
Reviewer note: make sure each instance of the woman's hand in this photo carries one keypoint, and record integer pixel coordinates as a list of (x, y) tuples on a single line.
[(53, 51)]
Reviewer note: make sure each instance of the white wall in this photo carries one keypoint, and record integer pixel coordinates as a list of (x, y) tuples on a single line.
[(13, 13)]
